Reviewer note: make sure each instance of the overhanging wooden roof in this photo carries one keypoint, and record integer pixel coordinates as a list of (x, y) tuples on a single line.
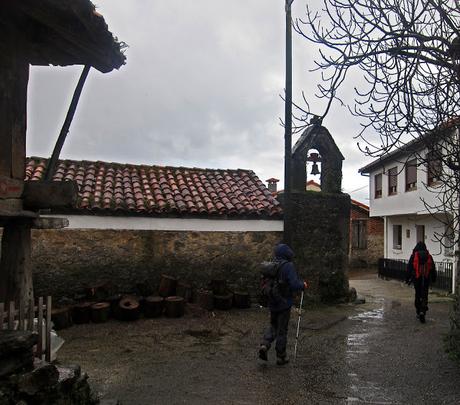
[(59, 32)]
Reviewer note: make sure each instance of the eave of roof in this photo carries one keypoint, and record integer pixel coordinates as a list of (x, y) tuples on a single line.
[(411, 147), (61, 32)]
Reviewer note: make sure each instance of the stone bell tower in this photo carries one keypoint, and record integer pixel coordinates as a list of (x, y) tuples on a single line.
[(320, 220)]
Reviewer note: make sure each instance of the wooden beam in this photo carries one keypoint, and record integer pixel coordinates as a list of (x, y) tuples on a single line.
[(50, 223), (50, 194)]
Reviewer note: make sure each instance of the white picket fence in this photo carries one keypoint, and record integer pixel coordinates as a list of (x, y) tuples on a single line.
[(36, 318)]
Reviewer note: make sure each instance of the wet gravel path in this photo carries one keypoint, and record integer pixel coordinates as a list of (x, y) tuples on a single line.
[(376, 353)]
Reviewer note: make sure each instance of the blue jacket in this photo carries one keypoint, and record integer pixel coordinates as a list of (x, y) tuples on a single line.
[(288, 275)]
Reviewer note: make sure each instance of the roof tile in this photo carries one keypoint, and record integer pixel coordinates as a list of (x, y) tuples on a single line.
[(157, 190)]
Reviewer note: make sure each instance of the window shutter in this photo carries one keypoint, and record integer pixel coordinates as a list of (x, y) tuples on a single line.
[(434, 167), (393, 177), (411, 174), (378, 185)]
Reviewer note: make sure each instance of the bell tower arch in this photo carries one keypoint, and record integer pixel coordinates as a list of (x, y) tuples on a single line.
[(317, 137)]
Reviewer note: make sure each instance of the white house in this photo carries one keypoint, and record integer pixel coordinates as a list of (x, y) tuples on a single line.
[(403, 187)]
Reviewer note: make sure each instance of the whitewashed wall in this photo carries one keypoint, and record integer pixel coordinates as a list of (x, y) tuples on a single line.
[(409, 223), (404, 202), (172, 224)]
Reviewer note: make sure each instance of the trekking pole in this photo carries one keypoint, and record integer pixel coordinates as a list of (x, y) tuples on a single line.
[(298, 326)]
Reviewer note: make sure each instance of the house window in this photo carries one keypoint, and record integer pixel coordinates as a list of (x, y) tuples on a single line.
[(434, 167), (359, 234), (378, 185), (392, 181), (411, 175), (397, 237)]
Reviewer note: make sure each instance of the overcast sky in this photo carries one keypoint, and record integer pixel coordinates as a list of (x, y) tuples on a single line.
[(200, 89)]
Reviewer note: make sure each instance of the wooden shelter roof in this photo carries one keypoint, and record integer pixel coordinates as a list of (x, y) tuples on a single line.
[(60, 32)]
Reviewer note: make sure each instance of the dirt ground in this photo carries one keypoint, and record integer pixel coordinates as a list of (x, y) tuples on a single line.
[(375, 353)]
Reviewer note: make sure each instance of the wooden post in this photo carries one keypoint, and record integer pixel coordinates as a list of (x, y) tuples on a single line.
[(11, 316), (2, 314), (15, 270), (21, 322), (15, 264), (31, 312), (40, 328), (48, 329), (14, 76)]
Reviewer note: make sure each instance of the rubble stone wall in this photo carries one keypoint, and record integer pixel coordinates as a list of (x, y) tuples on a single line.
[(65, 261), (320, 229)]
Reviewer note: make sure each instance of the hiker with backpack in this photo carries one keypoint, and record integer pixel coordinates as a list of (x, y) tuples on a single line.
[(279, 282), (421, 270)]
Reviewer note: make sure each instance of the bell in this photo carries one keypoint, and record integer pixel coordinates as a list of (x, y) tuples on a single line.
[(314, 169)]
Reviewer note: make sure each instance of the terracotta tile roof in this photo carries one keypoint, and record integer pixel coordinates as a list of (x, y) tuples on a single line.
[(157, 190)]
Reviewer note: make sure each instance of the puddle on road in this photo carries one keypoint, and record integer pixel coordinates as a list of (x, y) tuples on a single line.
[(368, 315), (366, 325)]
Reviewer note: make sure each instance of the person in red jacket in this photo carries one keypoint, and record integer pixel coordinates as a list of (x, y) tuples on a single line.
[(421, 270)]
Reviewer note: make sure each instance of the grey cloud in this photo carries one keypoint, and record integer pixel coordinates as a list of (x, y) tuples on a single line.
[(201, 88)]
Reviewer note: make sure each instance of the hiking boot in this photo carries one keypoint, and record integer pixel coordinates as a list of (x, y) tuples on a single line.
[(263, 353), (281, 361), (422, 317)]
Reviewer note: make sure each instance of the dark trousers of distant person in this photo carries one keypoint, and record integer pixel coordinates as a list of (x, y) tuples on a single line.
[(421, 295), (278, 329)]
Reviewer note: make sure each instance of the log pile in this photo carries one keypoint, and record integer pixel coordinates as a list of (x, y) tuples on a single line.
[(99, 303)]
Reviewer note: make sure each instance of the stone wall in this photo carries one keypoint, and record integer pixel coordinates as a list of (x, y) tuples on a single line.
[(65, 261), (320, 229)]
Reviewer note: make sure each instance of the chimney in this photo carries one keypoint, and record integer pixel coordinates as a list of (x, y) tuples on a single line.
[(272, 184)]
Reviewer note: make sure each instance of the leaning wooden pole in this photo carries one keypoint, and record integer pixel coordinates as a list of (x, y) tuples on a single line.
[(66, 126)]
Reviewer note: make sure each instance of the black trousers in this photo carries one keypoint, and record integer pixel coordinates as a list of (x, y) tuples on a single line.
[(278, 329), (421, 294)]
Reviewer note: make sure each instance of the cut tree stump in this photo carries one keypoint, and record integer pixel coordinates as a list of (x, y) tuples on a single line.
[(128, 309), (184, 290), (219, 286), (205, 299), (100, 312), (113, 302), (223, 302), (174, 307), (241, 299), (167, 286), (82, 312), (61, 318), (153, 306)]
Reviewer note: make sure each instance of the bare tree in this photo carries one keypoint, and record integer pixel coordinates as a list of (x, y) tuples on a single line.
[(407, 55), (404, 60)]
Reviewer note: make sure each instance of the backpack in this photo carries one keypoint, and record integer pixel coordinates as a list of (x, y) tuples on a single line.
[(273, 289)]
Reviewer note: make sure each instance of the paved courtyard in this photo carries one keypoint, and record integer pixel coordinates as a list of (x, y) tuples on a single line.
[(375, 353)]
